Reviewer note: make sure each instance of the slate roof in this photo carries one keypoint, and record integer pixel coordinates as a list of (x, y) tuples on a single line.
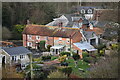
[(17, 50)]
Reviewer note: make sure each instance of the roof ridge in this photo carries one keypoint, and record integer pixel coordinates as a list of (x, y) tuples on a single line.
[(51, 26)]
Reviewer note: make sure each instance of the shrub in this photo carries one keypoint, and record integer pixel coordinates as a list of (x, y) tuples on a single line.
[(76, 56), (53, 57), (101, 52), (48, 47), (114, 46), (65, 53), (62, 58), (46, 57), (85, 54), (89, 59), (67, 70), (57, 74), (42, 45)]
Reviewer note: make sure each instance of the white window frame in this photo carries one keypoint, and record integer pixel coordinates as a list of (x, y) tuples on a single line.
[(29, 36), (28, 43), (38, 37), (82, 11), (89, 11), (22, 56), (60, 39)]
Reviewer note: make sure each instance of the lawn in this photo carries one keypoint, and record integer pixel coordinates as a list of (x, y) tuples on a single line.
[(80, 64)]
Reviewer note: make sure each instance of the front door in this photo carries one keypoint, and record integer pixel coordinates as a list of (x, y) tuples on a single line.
[(3, 61)]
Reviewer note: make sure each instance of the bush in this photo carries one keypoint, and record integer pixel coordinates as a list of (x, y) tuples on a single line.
[(101, 52), (46, 57), (53, 57), (62, 58), (42, 45), (65, 53), (67, 70), (89, 59), (85, 54), (114, 46), (57, 74), (48, 47), (76, 56)]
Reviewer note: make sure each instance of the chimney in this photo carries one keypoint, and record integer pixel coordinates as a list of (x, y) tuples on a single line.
[(28, 22)]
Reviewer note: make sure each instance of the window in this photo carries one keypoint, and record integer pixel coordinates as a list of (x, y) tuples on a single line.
[(68, 40), (90, 11), (29, 44), (22, 56), (29, 36), (82, 11), (13, 58), (38, 37), (60, 39)]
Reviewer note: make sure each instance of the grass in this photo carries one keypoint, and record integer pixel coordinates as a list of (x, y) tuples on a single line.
[(80, 64)]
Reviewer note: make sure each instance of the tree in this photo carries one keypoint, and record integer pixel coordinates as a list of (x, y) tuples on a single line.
[(42, 45), (76, 56), (57, 74), (17, 31), (6, 34)]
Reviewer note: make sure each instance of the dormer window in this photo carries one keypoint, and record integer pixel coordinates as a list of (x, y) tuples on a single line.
[(82, 11), (90, 11)]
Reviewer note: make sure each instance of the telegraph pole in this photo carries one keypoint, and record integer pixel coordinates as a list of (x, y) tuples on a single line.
[(31, 67)]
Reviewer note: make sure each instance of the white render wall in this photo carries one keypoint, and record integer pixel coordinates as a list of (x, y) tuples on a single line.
[(24, 60)]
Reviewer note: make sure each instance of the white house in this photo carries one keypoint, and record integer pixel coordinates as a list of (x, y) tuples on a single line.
[(16, 55)]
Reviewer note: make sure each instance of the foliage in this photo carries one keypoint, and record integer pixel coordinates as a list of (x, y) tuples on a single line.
[(48, 47), (6, 33), (107, 68), (67, 70), (54, 57), (57, 74), (76, 56), (36, 59), (100, 47), (17, 31), (42, 45), (101, 52), (114, 46), (85, 54), (65, 53), (62, 58), (89, 59), (46, 58)]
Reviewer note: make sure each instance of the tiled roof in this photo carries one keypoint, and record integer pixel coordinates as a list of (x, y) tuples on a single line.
[(17, 50), (52, 31), (96, 30)]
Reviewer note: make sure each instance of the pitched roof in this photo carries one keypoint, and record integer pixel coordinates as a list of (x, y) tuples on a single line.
[(17, 50), (51, 31), (96, 30)]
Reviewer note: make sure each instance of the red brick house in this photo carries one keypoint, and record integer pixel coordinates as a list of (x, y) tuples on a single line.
[(53, 35)]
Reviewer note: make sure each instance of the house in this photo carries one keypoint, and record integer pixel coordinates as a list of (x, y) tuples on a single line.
[(61, 38), (69, 20), (15, 55)]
